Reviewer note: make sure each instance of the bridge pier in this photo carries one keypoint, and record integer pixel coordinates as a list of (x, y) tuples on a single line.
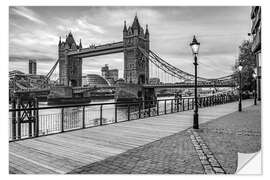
[(134, 92)]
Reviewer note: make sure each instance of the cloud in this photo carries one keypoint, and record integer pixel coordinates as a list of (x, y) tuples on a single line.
[(28, 14), (92, 27), (220, 30)]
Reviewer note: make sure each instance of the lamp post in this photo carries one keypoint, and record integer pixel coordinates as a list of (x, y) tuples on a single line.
[(240, 67), (255, 86), (195, 50)]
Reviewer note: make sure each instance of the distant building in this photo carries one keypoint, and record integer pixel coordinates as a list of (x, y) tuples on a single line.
[(32, 67), (256, 44), (20, 81), (95, 80), (109, 74), (154, 80), (84, 80)]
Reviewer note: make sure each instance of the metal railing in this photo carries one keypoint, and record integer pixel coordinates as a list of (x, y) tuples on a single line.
[(58, 119)]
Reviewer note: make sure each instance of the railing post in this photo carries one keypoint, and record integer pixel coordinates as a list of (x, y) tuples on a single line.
[(183, 102), (62, 120), (36, 117), (177, 101), (172, 106), (157, 107), (140, 104), (19, 118), (192, 103), (115, 113), (128, 112), (188, 104), (100, 117), (30, 120), (83, 117), (13, 120), (165, 104), (149, 110)]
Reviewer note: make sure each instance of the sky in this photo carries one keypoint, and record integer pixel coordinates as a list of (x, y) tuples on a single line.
[(34, 34)]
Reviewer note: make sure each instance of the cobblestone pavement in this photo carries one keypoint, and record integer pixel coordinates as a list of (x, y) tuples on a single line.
[(233, 133), (207, 158), (211, 149)]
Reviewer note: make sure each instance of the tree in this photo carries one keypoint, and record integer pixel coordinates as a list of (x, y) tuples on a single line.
[(248, 60)]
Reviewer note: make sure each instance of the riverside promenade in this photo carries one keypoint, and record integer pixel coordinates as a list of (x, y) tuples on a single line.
[(162, 145)]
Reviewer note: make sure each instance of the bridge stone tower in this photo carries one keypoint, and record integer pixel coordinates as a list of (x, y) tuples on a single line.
[(70, 68), (136, 65)]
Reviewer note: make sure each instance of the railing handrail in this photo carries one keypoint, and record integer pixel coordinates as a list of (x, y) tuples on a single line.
[(110, 103)]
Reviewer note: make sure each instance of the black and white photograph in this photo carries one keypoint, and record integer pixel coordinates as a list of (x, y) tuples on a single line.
[(131, 89)]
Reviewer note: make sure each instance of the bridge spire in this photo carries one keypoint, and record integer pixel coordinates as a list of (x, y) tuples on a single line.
[(80, 45), (125, 27), (146, 30), (136, 24), (59, 40)]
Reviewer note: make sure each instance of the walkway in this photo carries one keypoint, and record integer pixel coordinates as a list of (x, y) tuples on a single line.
[(68, 152)]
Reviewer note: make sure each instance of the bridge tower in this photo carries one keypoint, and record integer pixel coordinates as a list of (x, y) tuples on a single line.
[(70, 68), (136, 65)]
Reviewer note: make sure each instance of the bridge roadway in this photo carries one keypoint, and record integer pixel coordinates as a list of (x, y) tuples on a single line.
[(64, 152)]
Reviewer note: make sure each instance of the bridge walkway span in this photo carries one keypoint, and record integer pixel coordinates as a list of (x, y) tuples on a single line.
[(64, 152)]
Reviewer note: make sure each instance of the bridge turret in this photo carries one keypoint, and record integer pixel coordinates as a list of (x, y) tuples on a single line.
[(136, 68), (70, 68)]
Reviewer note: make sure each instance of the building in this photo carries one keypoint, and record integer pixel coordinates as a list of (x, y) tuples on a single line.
[(110, 75), (32, 67), (154, 80), (20, 81), (256, 44), (84, 80), (95, 80)]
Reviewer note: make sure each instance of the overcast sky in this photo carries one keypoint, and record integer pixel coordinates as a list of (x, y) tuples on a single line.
[(35, 31)]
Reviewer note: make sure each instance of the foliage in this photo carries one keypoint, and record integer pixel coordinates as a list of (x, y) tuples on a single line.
[(248, 60)]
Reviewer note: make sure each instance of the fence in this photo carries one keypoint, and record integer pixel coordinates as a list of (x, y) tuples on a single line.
[(58, 119)]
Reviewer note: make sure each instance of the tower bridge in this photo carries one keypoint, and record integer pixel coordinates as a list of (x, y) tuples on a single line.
[(139, 64)]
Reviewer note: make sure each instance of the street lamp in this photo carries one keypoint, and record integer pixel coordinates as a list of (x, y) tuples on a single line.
[(254, 74), (195, 50), (240, 67)]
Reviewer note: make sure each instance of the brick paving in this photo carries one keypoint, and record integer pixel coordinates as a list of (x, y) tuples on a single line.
[(207, 158), (170, 155), (233, 133), (211, 149)]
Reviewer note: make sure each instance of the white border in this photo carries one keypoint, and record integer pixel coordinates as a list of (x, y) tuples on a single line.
[(4, 72)]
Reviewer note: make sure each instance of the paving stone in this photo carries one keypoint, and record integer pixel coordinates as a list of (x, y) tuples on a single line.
[(218, 170), (204, 162)]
